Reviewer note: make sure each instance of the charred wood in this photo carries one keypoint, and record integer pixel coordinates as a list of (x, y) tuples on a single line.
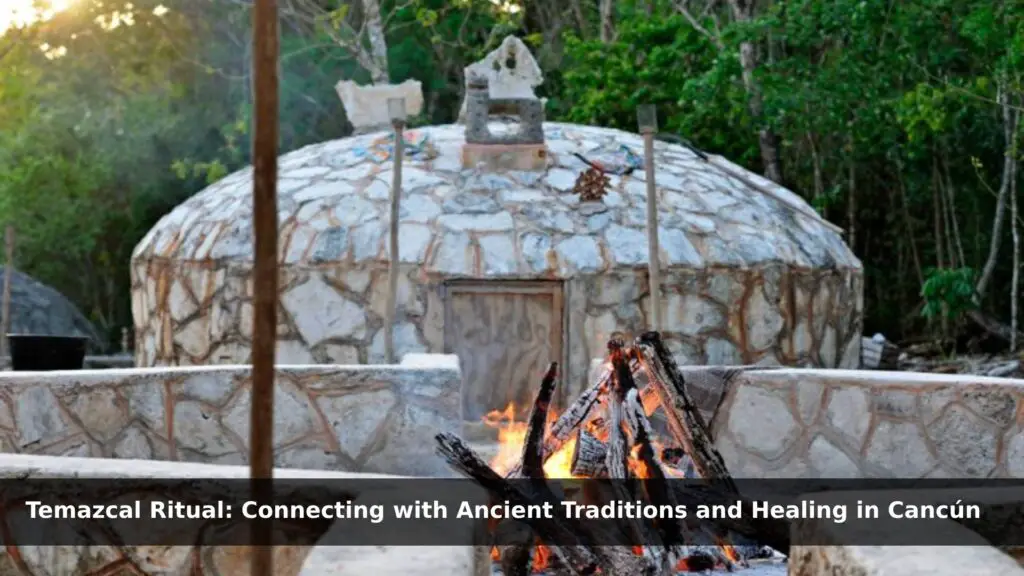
[(658, 558), (533, 444), (588, 456), (514, 541), (766, 531), (685, 421), (578, 552)]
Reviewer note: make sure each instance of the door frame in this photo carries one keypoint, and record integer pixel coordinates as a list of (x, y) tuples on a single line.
[(555, 288)]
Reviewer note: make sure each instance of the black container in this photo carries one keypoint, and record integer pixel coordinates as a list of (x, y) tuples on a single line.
[(38, 353)]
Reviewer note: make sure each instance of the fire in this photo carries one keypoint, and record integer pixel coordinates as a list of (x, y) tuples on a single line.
[(728, 550), (512, 435)]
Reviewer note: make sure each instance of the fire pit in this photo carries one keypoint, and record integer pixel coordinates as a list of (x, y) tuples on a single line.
[(617, 453)]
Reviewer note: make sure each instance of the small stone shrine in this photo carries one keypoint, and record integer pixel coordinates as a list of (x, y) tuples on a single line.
[(502, 263)]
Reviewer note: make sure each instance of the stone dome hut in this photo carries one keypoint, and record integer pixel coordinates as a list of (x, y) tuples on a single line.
[(506, 268)]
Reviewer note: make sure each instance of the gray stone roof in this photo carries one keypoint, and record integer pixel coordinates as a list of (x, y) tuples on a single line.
[(39, 309), (333, 207)]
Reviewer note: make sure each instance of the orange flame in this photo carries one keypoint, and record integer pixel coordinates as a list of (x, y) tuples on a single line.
[(512, 435)]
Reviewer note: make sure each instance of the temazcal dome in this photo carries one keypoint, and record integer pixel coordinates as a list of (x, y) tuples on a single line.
[(502, 262)]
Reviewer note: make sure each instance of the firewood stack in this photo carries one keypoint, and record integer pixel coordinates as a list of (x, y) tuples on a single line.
[(617, 443)]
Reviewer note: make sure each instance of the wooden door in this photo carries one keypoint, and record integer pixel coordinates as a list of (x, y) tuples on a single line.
[(505, 335)]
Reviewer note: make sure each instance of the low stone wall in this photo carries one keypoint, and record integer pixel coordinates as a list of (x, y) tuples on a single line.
[(796, 423), (833, 553), (155, 560), (791, 423), (346, 418)]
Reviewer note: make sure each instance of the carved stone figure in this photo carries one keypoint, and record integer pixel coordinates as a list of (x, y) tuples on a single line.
[(511, 72)]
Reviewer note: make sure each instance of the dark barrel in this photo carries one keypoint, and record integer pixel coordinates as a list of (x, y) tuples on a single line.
[(38, 353)]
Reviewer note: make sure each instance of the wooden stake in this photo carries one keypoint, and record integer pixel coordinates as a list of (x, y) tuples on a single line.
[(5, 348), (396, 194), (264, 160), (653, 246)]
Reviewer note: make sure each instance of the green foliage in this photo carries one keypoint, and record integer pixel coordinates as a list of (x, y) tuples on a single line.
[(896, 101), (948, 292)]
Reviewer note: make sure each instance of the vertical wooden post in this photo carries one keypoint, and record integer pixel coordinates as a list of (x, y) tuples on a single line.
[(647, 118), (396, 110), (265, 227), (5, 348)]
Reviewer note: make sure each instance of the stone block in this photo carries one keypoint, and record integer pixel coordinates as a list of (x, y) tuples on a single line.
[(500, 157), (367, 106)]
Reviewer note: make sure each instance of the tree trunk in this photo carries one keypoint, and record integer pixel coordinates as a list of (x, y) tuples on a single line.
[(607, 9), (768, 141), (377, 65), (851, 201), (950, 191), (1010, 118), (1015, 279)]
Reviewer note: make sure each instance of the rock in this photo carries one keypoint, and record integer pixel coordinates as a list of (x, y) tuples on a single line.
[(829, 461), (964, 443), (366, 106), (353, 424), (761, 422), (580, 253), (899, 449), (336, 317), (61, 317), (848, 412)]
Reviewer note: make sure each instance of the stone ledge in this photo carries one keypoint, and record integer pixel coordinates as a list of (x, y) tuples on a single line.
[(887, 378), (200, 561), (972, 556), (436, 361), (901, 561)]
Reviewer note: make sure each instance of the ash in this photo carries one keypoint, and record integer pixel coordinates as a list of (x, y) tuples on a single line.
[(773, 567)]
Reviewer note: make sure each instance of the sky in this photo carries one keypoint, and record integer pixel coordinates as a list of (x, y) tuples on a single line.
[(21, 12)]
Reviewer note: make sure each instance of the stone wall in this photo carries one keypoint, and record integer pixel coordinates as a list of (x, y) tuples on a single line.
[(347, 418), (188, 314), (842, 550), (200, 560), (850, 424)]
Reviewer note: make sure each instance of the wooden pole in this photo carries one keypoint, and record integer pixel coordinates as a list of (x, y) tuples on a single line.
[(648, 121), (396, 110), (5, 348), (265, 227)]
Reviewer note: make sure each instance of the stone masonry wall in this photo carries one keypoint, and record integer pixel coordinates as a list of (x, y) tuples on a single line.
[(202, 559), (346, 418), (850, 424), (188, 314)]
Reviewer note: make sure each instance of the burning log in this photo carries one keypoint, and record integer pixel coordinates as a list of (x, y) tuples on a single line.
[(514, 542), (568, 422), (533, 444), (617, 459), (590, 452), (685, 421), (580, 554), (588, 456), (618, 445)]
